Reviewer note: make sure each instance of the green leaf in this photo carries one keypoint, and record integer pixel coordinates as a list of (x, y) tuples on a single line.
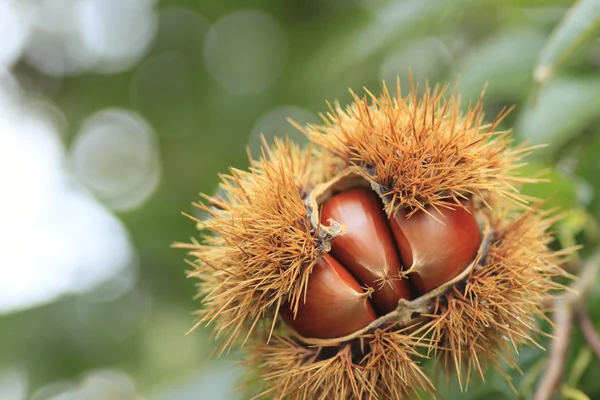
[(558, 189), (579, 366), (564, 109), (493, 62), (580, 26), (570, 393), (588, 169), (390, 25)]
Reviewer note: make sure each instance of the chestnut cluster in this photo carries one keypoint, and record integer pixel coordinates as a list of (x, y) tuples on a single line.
[(397, 235), (379, 260)]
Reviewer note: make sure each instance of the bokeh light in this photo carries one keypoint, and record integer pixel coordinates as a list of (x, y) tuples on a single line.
[(181, 30), (116, 114), (116, 155), (423, 59), (55, 238), (55, 45), (167, 101), (94, 385), (118, 32), (115, 323), (71, 36), (13, 384), (13, 31), (246, 52), (164, 87), (215, 384), (275, 123)]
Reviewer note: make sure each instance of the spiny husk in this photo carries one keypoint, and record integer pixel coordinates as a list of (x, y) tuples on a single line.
[(480, 319), (484, 321), (421, 150), (258, 248), (264, 238), (381, 365)]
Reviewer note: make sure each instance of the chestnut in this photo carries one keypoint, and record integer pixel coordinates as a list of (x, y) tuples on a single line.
[(361, 278), (335, 304), (367, 249), (436, 244)]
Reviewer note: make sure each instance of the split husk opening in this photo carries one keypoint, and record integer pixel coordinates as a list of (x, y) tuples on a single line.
[(409, 314)]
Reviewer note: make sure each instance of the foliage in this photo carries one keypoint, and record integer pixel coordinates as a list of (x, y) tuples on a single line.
[(542, 57)]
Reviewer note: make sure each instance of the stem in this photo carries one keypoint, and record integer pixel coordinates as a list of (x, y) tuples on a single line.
[(589, 332), (564, 317), (563, 330)]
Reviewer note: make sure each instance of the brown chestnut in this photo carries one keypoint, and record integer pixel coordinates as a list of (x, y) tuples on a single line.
[(335, 304), (436, 245), (367, 249)]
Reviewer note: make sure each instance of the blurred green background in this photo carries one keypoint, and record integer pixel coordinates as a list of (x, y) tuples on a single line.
[(115, 114)]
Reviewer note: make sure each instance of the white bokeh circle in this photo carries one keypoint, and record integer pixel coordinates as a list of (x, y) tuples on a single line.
[(55, 239), (246, 51), (275, 123), (14, 30), (115, 154), (119, 32)]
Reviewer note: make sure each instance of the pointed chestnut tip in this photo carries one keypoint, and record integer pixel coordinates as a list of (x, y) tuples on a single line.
[(367, 249), (335, 304)]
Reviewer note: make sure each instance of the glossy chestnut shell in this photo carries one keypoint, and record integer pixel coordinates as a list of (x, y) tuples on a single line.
[(378, 261), (368, 249), (436, 245)]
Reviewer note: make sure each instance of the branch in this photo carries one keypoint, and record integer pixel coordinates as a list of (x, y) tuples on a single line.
[(589, 332), (563, 330), (564, 316)]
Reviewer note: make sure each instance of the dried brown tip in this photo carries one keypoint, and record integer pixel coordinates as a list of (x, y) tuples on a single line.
[(421, 150), (382, 365)]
